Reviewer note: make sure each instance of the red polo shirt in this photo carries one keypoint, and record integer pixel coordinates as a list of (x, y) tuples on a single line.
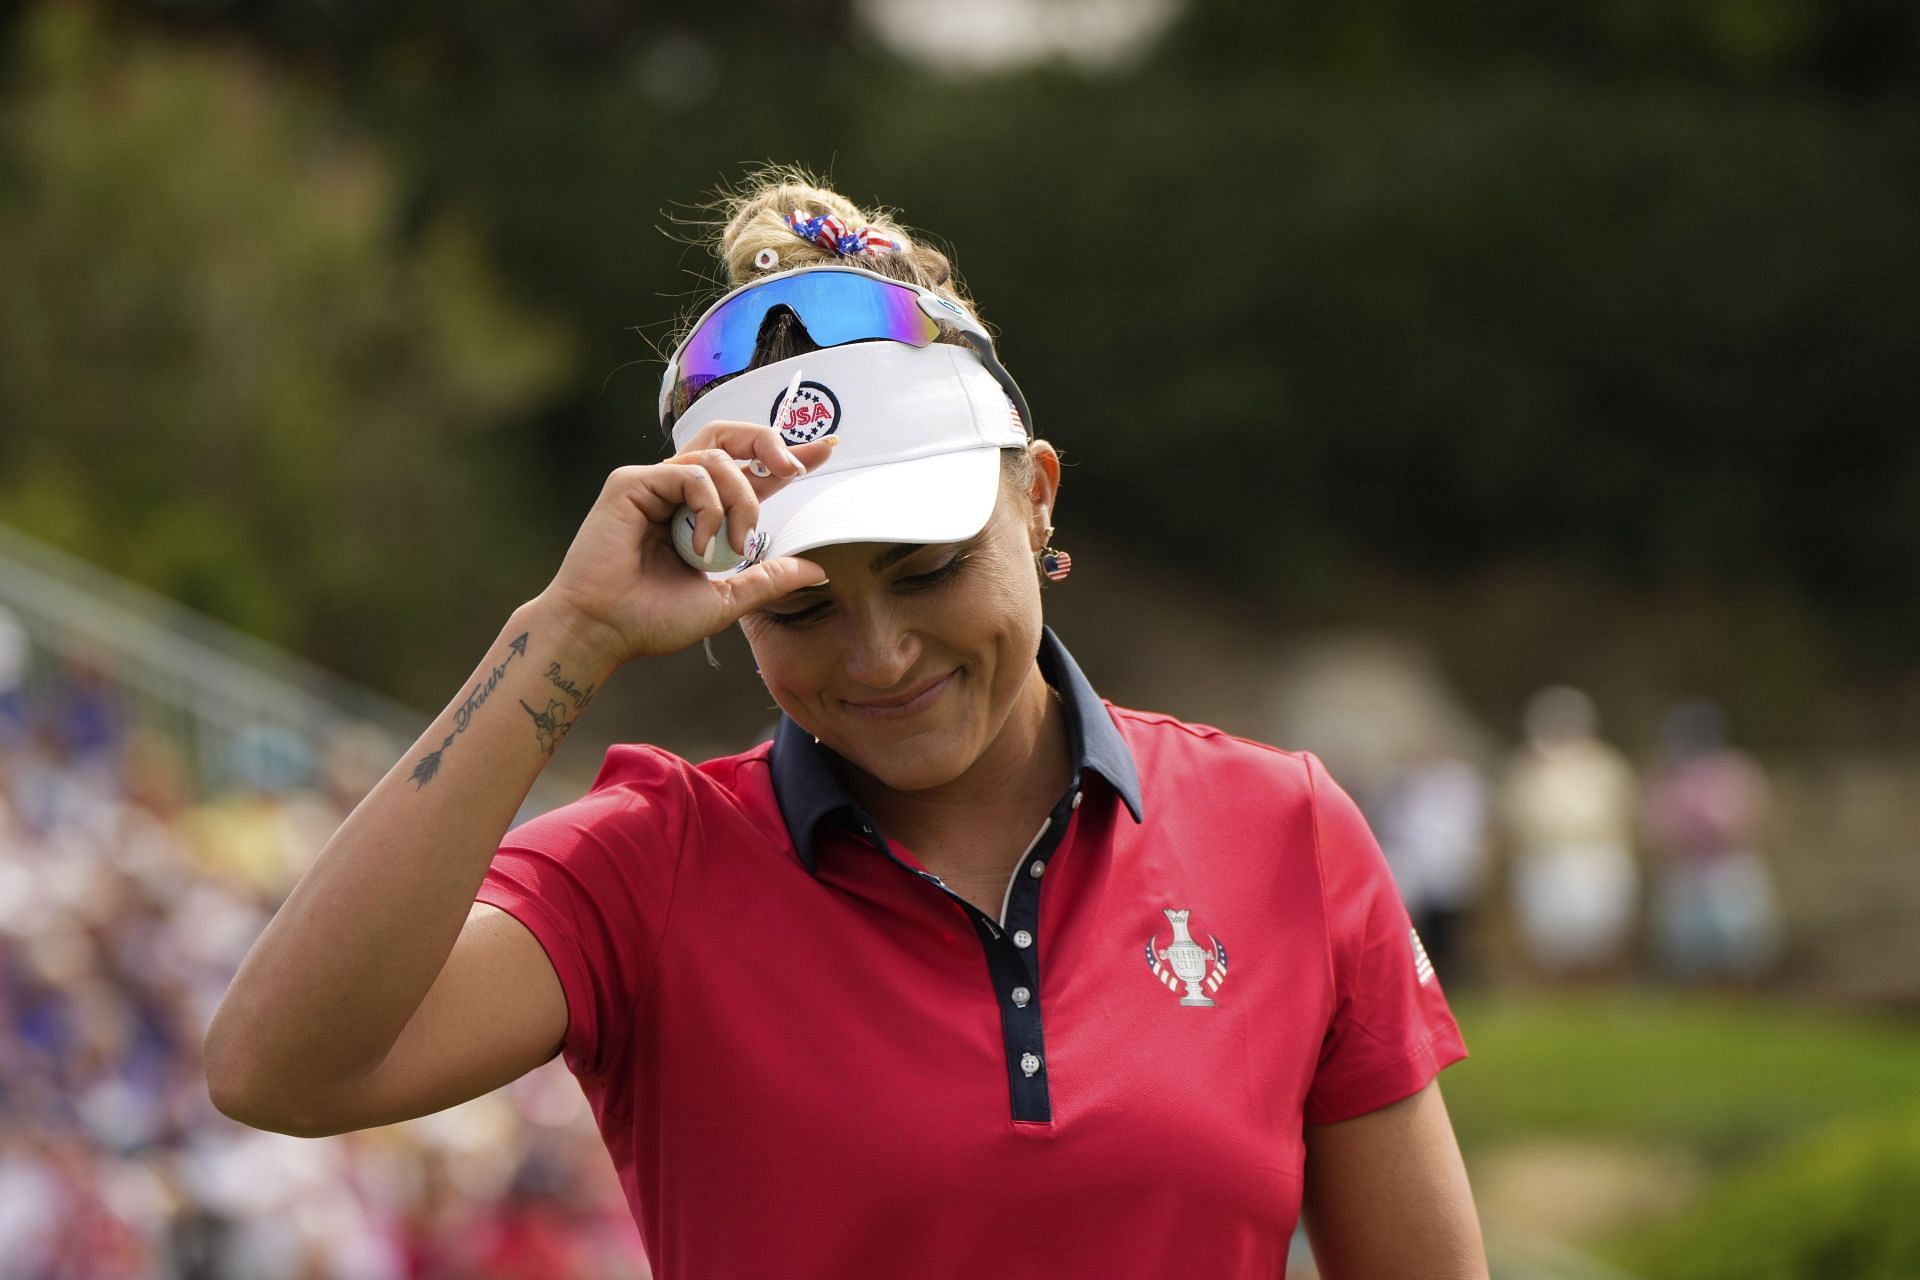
[(808, 1058)]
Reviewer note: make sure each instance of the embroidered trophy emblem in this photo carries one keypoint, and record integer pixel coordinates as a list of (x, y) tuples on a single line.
[(1176, 959)]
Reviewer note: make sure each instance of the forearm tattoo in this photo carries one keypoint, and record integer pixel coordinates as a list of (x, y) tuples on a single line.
[(550, 725), (429, 764), (573, 691)]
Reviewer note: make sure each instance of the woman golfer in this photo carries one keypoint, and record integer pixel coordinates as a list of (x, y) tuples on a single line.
[(966, 973)]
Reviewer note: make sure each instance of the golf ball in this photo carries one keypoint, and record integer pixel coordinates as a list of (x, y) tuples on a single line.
[(720, 557)]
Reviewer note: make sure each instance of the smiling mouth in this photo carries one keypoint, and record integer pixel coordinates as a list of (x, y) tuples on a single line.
[(905, 705)]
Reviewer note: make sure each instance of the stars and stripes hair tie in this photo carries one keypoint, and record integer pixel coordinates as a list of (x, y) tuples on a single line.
[(831, 232)]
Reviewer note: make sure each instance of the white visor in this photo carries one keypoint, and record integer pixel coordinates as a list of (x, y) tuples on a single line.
[(920, 429)]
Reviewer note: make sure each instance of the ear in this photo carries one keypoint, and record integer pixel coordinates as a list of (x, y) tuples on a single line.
[(1044, 493)]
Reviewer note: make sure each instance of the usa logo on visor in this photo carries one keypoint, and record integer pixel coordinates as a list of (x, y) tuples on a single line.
[(813, 413)]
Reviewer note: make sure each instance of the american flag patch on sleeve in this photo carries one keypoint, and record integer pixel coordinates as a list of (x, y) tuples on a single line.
[(1422, 967)]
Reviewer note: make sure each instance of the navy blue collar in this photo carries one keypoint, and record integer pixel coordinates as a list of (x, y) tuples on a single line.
[(809, 793)]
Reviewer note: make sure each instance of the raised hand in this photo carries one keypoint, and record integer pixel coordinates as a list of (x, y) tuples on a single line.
[(624, 587)]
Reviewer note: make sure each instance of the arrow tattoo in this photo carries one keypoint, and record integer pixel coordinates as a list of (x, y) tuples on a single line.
[(429, 764)]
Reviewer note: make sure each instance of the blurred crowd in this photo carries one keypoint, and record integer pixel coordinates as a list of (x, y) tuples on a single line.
[(130, 889), (1600, 870)]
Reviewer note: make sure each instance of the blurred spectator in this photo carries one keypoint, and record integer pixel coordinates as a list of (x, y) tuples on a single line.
[(1715, 914), (266, 824), (14, 652), (130, 890), (1568, 802), (1431, 818), (88, 723), (353, 760)]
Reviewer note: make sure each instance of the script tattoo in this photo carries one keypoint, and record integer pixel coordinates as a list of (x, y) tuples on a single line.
[(429, 764), (551, 725), (573, 691)]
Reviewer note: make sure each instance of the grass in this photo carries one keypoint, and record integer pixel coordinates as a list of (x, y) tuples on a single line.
[(1729, 1079), (1839, 1204)]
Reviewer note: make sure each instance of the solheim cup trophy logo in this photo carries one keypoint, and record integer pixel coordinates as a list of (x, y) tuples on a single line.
[(1178, 960)]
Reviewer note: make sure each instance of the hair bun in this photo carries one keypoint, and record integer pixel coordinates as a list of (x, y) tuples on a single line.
[(757, 225)]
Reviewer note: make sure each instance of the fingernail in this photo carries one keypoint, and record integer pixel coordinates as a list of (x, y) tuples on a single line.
[(794, 464)]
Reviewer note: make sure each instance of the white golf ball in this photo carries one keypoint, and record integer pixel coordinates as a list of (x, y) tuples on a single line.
[(720, 557)]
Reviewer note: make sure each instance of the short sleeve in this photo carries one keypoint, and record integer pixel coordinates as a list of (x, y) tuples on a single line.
[(1391, 1030), (593, 882)]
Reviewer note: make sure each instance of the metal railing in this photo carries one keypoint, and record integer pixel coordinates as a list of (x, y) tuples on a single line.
[(223, 696)]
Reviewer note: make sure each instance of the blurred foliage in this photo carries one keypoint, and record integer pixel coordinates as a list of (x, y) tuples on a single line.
[(487, 38), (1840, 1204), (1729, 1080), (1592, 311), (231, 370), (1853, 47)]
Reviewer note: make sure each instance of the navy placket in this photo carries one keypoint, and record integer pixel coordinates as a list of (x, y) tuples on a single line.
[(1012, 948), (808, 794)]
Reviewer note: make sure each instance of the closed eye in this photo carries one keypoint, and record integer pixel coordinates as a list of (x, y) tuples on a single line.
[(917, 582), (921, 581), (798, 618)]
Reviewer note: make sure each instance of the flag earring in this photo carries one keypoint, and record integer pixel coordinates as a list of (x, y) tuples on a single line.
[(1053, 563)]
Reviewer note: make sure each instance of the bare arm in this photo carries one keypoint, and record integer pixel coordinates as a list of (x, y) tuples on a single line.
[(1387, 1196), (329, 987), (380, 990)]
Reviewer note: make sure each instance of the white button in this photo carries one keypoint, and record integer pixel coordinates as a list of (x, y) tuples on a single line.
[(1076, 799), (1020, 997), (1038, 868), (1029, 1063), (1022, 938)]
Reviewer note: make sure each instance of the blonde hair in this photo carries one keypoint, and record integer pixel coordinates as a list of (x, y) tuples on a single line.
[(755, 219)]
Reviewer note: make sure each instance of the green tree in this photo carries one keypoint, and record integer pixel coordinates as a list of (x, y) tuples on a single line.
[(229, 368)]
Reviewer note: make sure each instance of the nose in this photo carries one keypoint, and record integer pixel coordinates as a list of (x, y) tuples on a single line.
[(880, 648)]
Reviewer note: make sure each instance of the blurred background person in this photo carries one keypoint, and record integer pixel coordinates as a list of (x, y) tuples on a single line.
[(1715, 914), (1432, 817), (1568, 801)]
